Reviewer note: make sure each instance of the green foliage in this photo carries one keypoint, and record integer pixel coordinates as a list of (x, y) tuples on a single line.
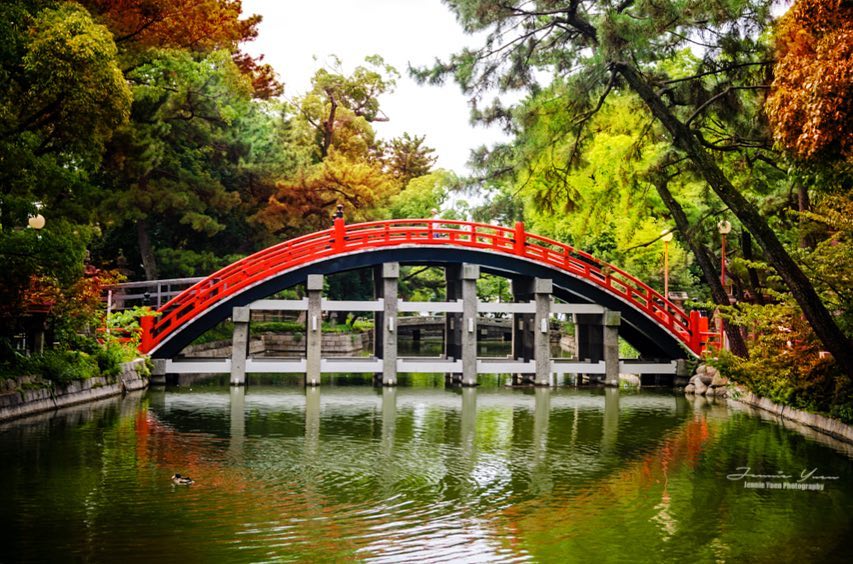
[(63, 366), (72, 75), (110, 358), (786, 364), (422, 195), (408, 157), (123, 326), (491, 288), (606, 205), (422, 284), (184, 263)]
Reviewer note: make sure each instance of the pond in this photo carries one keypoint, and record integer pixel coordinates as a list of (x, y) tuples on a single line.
[(420, 473)]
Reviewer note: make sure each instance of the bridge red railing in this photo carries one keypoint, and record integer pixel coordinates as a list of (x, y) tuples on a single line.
[(342, 239)]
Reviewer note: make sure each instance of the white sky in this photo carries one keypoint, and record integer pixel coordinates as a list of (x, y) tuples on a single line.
[(297, 37)]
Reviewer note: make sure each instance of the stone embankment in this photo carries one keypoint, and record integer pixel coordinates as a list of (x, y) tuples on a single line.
[(28, 395), (708, 382), (832, 427)]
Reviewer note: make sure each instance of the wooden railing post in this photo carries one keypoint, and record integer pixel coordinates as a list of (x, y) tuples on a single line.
[(520, 238), (695, 332), (339, 234), (147, 341)]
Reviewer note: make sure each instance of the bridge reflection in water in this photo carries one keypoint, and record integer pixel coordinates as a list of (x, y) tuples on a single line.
[(354, 473), (388, 401)]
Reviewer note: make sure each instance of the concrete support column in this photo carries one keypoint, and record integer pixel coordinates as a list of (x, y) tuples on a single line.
[(390, 276), (522, 323), (542, 288), (378, 316), (158, 372), (453, 321), (314, 330), (523, 345), (611, 321), (470, 274), (240, 344)]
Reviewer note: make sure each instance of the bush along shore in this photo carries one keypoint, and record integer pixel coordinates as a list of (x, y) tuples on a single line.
[(31, 394), (708, 382)]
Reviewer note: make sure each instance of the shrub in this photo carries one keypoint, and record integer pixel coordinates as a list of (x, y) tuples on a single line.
[(63, 367), (110, 359)]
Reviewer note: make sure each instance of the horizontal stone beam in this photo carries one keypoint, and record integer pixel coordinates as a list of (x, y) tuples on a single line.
[(577, 308), (352, 305), (494, 307), (280, 305), (427, 307)]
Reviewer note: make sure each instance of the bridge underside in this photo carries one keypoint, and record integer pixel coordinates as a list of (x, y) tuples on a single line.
[(642, 332)]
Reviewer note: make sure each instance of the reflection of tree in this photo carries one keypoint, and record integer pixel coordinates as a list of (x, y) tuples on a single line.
[(530, 527)]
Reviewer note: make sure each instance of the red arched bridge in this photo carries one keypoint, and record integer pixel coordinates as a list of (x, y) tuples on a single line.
[(652, 324)]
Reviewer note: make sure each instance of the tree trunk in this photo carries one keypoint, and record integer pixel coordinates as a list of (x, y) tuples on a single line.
[(329, 126), (804, 205), (149, 263), (799, 285), (754, 282), (706, 263)]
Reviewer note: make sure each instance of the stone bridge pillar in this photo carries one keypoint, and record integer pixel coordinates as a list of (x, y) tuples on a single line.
[(470, 274), (611, 321), (542, 288), (531, 331), (597, 338), (386, 326), (460, 342), (314, 330), (453, 320), (241, 317), (522, 324)]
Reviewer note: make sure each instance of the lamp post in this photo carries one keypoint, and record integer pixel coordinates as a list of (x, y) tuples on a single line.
[(725, 228), (666, 235)]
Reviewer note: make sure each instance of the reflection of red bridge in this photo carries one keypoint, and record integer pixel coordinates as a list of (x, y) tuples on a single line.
[(655, 326)]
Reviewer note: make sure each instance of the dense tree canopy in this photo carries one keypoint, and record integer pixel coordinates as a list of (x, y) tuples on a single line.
[(150, 141), (708, 108)]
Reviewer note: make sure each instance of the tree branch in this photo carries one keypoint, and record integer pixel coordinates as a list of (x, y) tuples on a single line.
[(719, 95)]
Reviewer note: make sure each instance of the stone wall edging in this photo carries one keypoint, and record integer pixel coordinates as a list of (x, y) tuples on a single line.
[(29, 402), (826, 425)]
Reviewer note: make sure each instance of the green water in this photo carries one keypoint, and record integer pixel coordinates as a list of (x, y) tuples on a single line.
[(417, 473)]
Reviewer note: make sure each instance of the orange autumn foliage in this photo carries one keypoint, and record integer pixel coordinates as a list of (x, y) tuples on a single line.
[(199, 25), (810, 106)]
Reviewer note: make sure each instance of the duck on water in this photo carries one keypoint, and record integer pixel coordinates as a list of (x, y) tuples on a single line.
[(179, 480)]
